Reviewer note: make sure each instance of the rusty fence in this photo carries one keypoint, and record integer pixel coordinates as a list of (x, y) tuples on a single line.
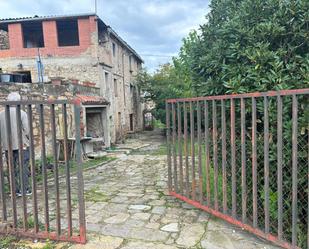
[(244, 158), (41, 197)]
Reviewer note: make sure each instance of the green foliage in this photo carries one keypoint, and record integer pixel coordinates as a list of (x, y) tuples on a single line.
[(256, 46), (158, 124), (95, 195), (30, 223), (7, 241), (249, 46), (164, 84), (49, 245), (245, 46)]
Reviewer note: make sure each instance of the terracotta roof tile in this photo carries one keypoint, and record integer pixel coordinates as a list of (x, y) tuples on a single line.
[(92, 100)]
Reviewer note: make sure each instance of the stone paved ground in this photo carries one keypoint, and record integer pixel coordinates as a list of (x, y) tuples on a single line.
[(135, 212), (128, 207)]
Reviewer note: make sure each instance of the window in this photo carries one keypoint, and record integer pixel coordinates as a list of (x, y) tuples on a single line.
[(131, 90), (25, 75), (106, 82), (119, 120), (114, 49), (131, 122), (33, 35), (115, 88), (106, 79), (130, 63), (67, 33)]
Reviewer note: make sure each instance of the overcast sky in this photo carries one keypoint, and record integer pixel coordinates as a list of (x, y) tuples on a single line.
[(151, 27)]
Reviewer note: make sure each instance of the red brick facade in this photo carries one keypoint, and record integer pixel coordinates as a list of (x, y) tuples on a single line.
[(86, 26), (50, 34)]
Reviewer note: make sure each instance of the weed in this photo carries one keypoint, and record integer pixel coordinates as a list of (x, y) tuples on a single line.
[(95, 195), (49, 245), (7, 241)]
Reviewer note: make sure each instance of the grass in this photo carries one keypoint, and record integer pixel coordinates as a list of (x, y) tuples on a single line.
[(61, 168), (158, 124), (211, 176), (95, 195), (73, 166), (11, 242), (161, 151), (30, 223), (8, 241), (49, 245)]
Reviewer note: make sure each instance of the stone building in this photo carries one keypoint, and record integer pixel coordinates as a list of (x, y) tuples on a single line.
[(77, 47), (93, 107)]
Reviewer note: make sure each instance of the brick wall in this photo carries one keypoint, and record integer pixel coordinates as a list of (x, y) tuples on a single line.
[(85, 27), (50, 34), (15, 37), (87, 62)]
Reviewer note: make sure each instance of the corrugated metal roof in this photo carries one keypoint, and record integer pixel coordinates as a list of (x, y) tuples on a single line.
[(41, 18), (57, 17)]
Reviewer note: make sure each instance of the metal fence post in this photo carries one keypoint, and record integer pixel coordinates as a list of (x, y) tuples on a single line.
[(168, 141), (81, 202)]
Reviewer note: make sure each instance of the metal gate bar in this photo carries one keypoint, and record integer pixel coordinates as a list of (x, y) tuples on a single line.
[(14, 213), (252, 164)]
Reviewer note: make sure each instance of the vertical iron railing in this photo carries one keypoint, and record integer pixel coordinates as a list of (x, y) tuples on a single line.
[(245, 160), (29, 213)]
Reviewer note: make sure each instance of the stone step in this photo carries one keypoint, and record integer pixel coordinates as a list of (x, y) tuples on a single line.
[(98, 154)]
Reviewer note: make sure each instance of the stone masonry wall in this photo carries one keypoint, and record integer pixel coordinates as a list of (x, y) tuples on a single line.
[(127, 100), (87, 62), (82, 68), (4, 40), (46, 92)]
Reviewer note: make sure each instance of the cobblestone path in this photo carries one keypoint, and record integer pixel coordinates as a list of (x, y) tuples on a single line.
[(127, 206)]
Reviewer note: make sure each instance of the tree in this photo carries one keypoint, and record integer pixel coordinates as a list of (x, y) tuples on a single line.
[(249, 46), (165, 83)]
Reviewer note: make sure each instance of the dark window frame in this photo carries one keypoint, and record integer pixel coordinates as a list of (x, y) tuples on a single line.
[(114, 49), (33, 32), (67, 28), (116, 87)]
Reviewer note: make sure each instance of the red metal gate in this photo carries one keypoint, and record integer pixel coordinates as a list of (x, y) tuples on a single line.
[(244, 158), (56, 203)]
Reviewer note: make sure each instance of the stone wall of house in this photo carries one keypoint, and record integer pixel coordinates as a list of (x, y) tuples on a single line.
[(48, 92), (4, 40), (126, 101), (87, 62), (83, 68)]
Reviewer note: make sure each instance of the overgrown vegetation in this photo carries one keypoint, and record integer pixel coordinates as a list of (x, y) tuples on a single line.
[(164, 84), (73, 166), (95, 195), (249, 46), (11, 242), (245, 46), (8, 241)]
